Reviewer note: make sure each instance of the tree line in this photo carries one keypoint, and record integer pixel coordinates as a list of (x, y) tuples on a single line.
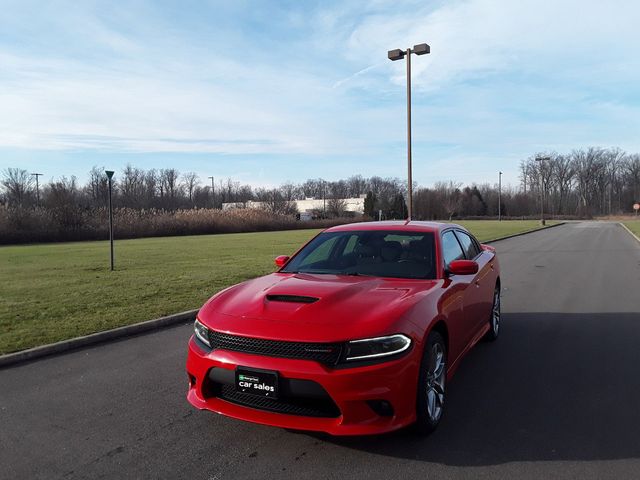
[(582, 183)]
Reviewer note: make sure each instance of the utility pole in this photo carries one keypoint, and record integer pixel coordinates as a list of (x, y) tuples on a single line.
[(110, 176), (213, 194), (37, 187), (499, 196)]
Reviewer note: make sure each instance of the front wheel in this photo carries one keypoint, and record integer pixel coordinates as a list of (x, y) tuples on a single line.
[(494, 320), (431, 384)]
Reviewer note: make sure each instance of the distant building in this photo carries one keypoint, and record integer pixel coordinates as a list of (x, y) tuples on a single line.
[(308, 207)]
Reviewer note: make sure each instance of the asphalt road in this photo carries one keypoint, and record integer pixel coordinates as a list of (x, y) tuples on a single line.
[(557, 396)]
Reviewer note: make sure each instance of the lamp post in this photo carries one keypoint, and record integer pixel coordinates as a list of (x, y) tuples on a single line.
[(213, 194), (499, 196), (37, 187), (397, 54), (110, 176), (541, 160)]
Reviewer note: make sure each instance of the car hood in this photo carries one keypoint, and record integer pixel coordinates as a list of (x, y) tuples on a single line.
[(332, 307)]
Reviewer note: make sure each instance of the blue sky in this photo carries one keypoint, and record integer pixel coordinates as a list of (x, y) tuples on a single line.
[(266, 92)]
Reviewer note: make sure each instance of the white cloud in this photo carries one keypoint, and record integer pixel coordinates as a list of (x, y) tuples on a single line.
[(504, 78)]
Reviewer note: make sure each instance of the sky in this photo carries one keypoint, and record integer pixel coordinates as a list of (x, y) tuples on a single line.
[(267, 92)]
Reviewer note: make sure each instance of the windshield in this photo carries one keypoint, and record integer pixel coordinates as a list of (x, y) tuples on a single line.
[(370, 253)]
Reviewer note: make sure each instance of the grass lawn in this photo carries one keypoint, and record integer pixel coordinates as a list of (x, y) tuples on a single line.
[(58, 291), (634, 226)]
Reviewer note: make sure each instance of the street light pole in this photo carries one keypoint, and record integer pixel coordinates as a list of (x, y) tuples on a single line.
[(394, 55), (213, 194), (37, 187), (541, 160), (499, 196), (110, 176), (409, 153)]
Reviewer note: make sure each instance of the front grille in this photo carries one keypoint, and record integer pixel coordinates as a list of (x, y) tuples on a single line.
[(326, 353), (307, 407)]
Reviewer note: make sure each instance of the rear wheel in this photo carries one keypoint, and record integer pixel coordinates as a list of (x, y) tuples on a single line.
[(494, 320), (431, 384)]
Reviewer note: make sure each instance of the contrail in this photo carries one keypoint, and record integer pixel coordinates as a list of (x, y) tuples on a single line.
[(357, 74)]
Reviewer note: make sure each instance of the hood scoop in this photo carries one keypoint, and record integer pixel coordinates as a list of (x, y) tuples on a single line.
[(291, 298)]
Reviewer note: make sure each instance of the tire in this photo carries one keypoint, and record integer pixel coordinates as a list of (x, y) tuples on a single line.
[(495, 317), (431, 385)]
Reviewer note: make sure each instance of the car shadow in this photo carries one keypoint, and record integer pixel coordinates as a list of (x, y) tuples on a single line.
[(554, 386)]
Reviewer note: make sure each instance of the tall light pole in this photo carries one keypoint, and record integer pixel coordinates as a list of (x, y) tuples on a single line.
[(37, 187), (394, 55), (541, 160), (499, 196), (110, 176), (213, 194)]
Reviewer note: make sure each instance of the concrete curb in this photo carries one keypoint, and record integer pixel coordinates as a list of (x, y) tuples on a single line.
[(524, 233), (143, 327), (630, 232), (95, 338)]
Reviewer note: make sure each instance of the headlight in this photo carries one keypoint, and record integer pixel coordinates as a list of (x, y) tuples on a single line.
[(202, 333), (376, 347)]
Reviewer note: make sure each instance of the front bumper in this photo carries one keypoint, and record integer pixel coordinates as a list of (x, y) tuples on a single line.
[(349, 389)]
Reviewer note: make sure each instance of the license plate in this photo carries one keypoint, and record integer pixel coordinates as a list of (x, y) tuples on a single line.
[(263, 383)]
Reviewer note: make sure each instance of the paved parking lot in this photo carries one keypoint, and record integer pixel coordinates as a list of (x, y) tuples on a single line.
[(558, 396)]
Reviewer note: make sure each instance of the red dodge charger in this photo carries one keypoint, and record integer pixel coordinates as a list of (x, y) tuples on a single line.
[(356, 333)]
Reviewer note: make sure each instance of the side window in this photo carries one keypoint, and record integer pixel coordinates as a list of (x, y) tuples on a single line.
[(451, 248), (468, 245), (351, 245), (321, 253)]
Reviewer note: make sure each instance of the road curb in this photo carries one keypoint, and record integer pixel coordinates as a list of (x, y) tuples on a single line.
[(524, 233), (95, 338), (629, 230)]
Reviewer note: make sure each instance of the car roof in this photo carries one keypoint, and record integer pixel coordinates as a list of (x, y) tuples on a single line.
[(399, 225)]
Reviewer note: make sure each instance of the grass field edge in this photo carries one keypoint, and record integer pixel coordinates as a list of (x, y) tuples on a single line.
[(75, 343), (22, 356), (519, 234), (630, 232)]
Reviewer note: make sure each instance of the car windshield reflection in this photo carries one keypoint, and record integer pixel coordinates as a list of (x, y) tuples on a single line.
[(392, 254)]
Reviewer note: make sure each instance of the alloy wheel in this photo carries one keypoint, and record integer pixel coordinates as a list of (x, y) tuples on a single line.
[(436, 382), (495, 313)]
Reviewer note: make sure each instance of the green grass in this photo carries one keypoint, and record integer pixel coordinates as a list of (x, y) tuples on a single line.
[(634, 226), (58, 291)]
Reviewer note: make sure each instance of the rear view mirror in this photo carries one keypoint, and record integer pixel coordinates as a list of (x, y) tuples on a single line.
[(281, 261), (463, 267)]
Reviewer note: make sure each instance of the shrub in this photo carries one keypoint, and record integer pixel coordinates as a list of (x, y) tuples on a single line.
[(28, 225)]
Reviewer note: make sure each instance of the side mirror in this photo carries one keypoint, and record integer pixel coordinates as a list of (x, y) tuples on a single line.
[(281, 260), (463, 267)]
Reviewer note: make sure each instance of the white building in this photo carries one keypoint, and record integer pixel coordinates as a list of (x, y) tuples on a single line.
[(308, 206)]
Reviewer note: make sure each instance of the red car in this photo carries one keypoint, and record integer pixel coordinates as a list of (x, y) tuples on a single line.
[(356, 333)]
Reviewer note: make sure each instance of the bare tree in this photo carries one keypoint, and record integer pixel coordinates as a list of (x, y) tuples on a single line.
[(191, 181), (563, 171), (169, 186), (450, 196), (632, 175), (131, 186), (336, 207), (289, 191), (17, 185)]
